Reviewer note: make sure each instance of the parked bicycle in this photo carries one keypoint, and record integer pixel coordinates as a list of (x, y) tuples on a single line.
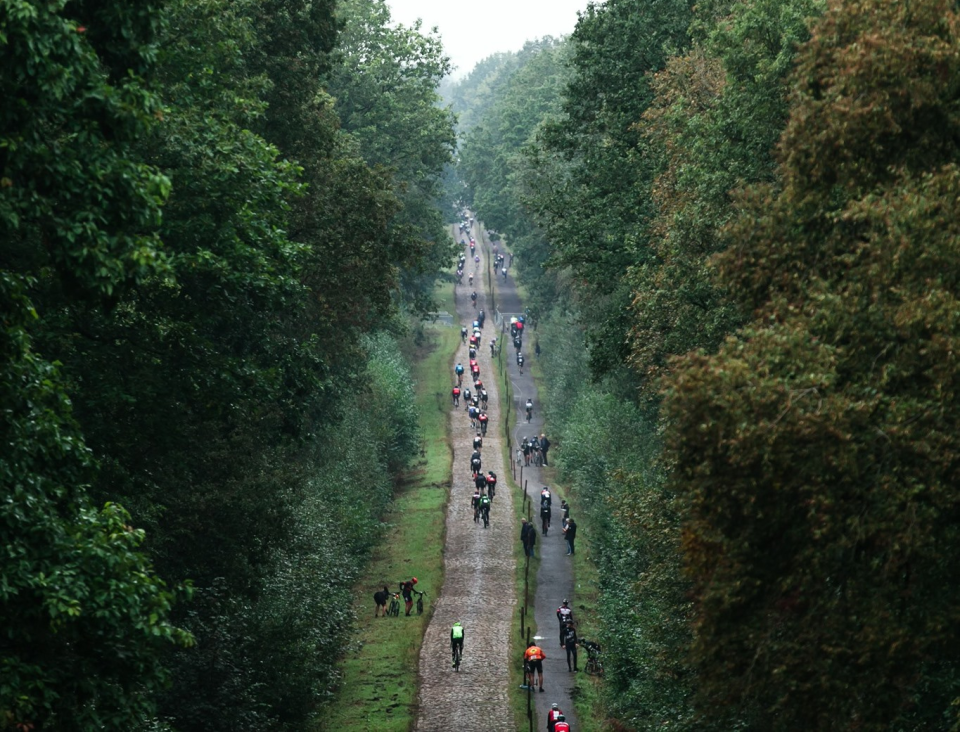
[(420, 601), (394, 609)]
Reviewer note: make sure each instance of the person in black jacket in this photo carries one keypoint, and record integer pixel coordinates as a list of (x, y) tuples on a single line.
[(570, 534), (544, 446)]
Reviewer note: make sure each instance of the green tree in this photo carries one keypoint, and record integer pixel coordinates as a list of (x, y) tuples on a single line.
[(815, 452), (385, 86), (85, 617)]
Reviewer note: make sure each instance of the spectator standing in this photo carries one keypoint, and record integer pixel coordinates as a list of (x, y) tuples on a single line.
[(544, 446), (570, 534), (570, 643), (528, 536)]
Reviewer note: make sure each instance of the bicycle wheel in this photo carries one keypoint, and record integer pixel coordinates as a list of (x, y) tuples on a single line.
[(420, 605), (456, 660)]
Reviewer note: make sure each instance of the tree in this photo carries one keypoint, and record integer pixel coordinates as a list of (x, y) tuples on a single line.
[(85, 617), (816, 451), (385, 86)]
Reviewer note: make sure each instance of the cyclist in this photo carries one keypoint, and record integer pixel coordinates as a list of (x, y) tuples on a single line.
[(520, 362), (483, 398), (483, 419), (529, 408), (472, 411), (463, 334), (475, 463), (525, 446), (475, 370), (485, 509), (545, 498), (480, 481), (552, 716), (458, 370), (466, 395), (561, 724), (564, 615), (470, 279), (456, 396), (475, 503), (493, 347), (406, 589), (473, 298), (472, 352), (533, 660), (456, 641), (478, 441), (481, 317), (491, 484), (545, 517)]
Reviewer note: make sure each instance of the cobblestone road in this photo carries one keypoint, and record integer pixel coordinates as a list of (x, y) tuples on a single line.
[(478, 587)]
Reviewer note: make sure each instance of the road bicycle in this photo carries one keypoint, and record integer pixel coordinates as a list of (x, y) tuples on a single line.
[(394, 609), (457, 657), (420, 601)]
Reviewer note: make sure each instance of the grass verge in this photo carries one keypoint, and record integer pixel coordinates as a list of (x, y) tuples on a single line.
[(379, 679)]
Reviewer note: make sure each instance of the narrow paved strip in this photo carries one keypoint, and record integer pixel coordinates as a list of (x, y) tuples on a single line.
[(479, 569), (555, 574)]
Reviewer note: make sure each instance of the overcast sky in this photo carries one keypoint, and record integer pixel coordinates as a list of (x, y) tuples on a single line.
[(473, 30)]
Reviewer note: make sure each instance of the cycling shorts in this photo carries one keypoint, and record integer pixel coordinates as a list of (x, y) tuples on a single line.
[(535, 665)]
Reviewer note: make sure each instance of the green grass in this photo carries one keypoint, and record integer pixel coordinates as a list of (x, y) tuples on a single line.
[(379, 683)]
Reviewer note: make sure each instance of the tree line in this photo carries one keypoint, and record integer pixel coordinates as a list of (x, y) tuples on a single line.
[(738, 219), (216, 219)]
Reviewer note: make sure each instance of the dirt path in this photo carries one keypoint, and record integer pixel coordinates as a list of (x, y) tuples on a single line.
[(478, 587), (555, 574)]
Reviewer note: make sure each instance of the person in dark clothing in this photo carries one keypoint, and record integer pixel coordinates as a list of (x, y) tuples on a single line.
[(570, 642), (380, 598), (528, 536), (483, 420), (570, 534), (545, 517), (544, 446), (491, 484), (481, 481)]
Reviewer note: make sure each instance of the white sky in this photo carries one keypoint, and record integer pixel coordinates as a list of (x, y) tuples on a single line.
[(473, 30)]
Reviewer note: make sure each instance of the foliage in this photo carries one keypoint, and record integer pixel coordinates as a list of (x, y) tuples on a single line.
[(209, 379), (385, 86), (815, 450), (607, 452), (85, 617), (494, 159)]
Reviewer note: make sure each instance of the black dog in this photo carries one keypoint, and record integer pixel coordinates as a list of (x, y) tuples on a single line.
[(381, 598)]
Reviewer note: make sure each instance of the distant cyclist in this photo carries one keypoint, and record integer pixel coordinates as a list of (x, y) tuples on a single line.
[(458, 370), (529, 408), (485, 509), (456, 641)]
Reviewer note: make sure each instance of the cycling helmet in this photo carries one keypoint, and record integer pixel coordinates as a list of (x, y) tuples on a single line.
[(415, 582), (554, 706), (563, 603), (561, 718), (457, 623)]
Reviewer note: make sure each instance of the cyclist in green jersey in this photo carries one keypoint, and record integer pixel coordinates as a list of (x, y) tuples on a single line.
[(456, 640)]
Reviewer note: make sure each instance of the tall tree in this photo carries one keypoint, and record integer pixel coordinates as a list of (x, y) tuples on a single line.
[(816, 452), (83, 613)]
